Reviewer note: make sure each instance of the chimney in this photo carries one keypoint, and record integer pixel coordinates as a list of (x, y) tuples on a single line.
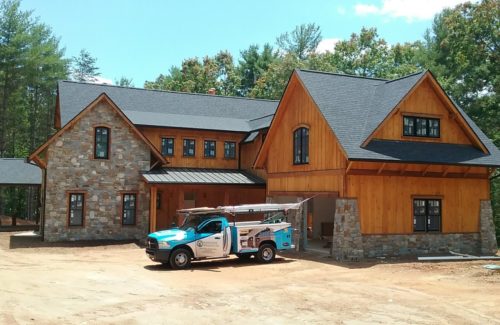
[(211, 91)]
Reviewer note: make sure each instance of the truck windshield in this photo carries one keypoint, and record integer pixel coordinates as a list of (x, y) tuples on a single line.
[(193, 221)]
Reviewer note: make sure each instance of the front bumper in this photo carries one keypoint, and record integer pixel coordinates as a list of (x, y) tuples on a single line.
[(158, 255)]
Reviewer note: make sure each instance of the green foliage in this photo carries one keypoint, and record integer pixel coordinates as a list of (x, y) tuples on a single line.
[(253, 65), (301, 42), (124, 82), (84, 67)]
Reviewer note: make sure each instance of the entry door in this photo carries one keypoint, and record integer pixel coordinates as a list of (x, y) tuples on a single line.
[(211, 242)]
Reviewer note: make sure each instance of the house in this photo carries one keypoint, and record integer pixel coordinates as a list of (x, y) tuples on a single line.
[(125, 159), (395, 165), (391, 167)]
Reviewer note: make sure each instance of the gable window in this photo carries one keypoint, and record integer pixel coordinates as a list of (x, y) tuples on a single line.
[(167, 146), (301, 146), (75, 209), (209, 149), (129, 205), (426, 215), (188, 148), (230, 149), (101, 148), (421, 127)]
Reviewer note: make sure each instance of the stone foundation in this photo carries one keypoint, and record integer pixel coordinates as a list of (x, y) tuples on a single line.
[(488, 237), (421, 244)]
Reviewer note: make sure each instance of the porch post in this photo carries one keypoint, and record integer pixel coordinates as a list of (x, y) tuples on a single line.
[(152, 208)]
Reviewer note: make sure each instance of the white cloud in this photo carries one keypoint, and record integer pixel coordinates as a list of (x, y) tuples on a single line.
[(408, 9), (100, 80), (326, 45)]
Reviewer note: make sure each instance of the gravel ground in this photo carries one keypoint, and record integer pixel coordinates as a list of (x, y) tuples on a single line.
[(118, 284)]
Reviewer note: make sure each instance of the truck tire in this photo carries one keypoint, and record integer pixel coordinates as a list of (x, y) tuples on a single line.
[(266, 253), (180, 259)]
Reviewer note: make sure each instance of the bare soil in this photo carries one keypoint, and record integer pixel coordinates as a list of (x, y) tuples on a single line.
[(118, 284)]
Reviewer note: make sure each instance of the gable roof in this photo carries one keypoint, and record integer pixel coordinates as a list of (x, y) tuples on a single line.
[(100, 98), (355, 107), (169, 109), (16, 171)]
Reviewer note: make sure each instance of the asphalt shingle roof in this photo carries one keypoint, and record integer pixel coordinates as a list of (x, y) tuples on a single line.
[(355, 106), (170, 109), (201, 176), (15, 171)]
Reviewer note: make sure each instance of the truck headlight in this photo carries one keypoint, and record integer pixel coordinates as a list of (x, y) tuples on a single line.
[(163, 244)]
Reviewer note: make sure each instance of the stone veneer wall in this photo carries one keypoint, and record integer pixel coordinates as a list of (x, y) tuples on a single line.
[(347, 239), (488, 236), (71, 167)]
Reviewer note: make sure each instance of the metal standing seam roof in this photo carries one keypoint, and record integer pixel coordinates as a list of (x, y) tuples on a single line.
[(170, 109), (16, 171), (354, 107), (201, 176)]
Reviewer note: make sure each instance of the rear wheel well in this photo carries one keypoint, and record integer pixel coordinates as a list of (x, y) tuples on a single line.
[(270, 242)]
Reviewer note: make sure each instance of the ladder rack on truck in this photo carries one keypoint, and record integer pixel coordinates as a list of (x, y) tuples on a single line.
[(206, 233)]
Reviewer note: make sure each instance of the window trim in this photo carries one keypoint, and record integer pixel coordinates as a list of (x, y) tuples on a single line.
[(427, 198), (108, 140), (173, 145), (204, 149), (235, 150), (123, 207), (194, 148), (427, 126), (297, 129), (68, 206)]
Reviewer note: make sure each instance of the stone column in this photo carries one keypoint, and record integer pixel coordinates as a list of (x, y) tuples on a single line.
[(347, 241), (488, 237)]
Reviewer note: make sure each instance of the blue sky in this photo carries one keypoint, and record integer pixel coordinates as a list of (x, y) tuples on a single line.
[(141, 39)]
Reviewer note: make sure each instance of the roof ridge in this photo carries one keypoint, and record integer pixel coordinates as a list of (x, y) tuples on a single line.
[(407, 76), (342, 74), (168, 91)]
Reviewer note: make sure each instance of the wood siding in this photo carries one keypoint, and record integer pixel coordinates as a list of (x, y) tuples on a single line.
[(423, 102), (248, 154), (324, 151), (385, 202), (198, 161)]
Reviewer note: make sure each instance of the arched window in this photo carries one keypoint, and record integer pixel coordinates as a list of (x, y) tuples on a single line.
[(101, 144), (301, 146)]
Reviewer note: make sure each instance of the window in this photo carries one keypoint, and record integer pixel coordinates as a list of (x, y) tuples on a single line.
[(76, 204), (209, 149), (421, 127), (101, 148), (129, 208), (426, 215), (301, 146), (213, 227), (167, 146), (188, 148), (158, 200), (230, 149)]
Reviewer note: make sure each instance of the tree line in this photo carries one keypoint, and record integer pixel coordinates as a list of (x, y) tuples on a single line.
[(460, 48)]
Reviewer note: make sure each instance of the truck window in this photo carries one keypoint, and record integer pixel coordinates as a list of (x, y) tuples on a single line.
[(212, 227)]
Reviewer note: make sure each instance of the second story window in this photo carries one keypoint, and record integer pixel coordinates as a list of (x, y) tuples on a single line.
[(167, 146), (188, 148), (209, 149), (101, 148), (421, 127), (230, 149), (301, 146)]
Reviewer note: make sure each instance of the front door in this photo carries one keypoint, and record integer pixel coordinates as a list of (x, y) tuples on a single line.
[(211, 242)]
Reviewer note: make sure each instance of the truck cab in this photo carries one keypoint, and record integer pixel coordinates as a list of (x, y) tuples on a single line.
[(206, 233)]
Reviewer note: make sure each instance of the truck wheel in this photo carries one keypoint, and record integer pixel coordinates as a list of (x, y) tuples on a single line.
[(244, 256), (266, 253), (180, 259)]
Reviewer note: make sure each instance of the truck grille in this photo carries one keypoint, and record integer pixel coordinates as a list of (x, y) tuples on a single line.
[(152, 243)]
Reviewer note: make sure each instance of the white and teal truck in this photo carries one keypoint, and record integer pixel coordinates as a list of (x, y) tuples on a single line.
[(207, 233)]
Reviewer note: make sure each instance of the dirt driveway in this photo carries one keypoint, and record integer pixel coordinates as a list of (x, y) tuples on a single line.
[(117, 284)]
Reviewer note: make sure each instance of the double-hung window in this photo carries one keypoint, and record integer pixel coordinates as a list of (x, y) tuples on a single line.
[(101, 143), (229, 149), (129, 205), (426, 215), (167, 146), (189, 148), (76, 207), (210, 149)]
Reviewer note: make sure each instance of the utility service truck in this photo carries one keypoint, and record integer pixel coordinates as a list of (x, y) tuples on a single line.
[(207, 233)]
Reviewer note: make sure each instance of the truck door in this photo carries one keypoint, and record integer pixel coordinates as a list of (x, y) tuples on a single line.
[(211, 240)]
